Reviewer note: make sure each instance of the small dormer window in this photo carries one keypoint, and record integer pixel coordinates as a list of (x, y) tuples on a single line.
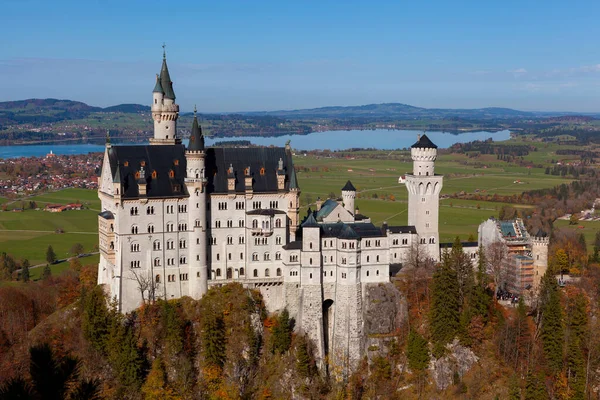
[(137, 175), (262, 171), (247, 171), (143, 163), (176, 162), (126, 163), (154, 174), (171, 174)]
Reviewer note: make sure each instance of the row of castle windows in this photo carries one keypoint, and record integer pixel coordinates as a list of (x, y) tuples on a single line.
[(171, 277), (424, 241), (396, 241), (229, 272)]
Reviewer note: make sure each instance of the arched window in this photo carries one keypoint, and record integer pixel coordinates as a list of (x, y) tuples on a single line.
[(134, 230), (267, 272), (254, 223), (278, 271), (255, 273), (171, 174), (218, 271), (262, 171), (157, 279), (229, 273), (157, 262), (278, 223), (241, 271), (156, 245)]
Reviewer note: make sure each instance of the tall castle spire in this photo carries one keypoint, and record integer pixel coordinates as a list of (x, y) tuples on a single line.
[(196, 138), (165, 111)]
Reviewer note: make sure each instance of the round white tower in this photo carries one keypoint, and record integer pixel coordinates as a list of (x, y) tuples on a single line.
[(348, 196), (164, 110), (424, 195), (196, 184)]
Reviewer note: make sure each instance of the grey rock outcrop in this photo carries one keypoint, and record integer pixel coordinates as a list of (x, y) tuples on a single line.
[(458, 361)]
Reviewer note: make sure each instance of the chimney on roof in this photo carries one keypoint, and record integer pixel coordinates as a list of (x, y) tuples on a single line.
[(319, 203)]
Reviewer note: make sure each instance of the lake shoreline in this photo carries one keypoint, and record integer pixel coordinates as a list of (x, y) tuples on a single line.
[(381, 139)]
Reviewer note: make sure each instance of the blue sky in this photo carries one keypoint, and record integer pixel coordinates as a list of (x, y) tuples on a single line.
[(266, 55)]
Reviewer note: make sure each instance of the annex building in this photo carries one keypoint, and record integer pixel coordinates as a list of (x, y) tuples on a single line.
[(178, 219)]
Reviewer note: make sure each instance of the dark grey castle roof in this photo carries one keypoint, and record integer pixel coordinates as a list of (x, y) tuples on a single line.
[(165, 81), (343, 230), (126, 161), (158, 88), (541, 233), (196, 138), (219, 159), (402, 229), (349, 187), (424, 143)]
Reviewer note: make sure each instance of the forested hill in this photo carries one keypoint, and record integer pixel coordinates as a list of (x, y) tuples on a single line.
[(401, 111), (55, 110)]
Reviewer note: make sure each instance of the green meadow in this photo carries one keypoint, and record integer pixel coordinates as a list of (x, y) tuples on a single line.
[(28, 233)]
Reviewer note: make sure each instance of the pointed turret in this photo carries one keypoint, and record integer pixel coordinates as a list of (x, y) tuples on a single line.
[(158, 87), (165, 80), (196, 138)]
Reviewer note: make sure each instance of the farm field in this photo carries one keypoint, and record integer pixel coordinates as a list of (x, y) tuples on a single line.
[(28, 233)]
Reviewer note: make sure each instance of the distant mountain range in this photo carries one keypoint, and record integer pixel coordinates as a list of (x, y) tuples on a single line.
[(54, 110), (405, 111)]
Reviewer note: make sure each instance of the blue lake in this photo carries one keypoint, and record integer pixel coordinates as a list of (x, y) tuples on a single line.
[(332, 140)]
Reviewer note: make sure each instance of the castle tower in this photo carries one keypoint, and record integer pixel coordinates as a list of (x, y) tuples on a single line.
[(196, 182), (164, 110), (539, 251), (424, 195), (348, 196), (311, 320)]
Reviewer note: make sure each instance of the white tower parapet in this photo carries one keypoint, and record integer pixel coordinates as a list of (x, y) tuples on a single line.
[(348, 196), (424, 195)]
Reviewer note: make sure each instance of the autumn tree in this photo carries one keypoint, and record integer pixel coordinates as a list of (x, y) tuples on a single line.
[(497, 257), (156, 386), (213, 339), (282, 333), (77, 249), (47, 272)]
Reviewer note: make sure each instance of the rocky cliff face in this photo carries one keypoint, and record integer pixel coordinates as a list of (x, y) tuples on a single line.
[(457, 362), (384, 312)]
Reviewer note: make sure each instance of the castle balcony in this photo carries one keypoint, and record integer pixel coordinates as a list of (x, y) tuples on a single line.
[(254, 282), (261, 231)]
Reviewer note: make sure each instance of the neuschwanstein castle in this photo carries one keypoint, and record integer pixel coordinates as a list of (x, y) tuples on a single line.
[(177, 220)]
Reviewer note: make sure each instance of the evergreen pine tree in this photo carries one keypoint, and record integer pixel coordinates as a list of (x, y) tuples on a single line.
[(514, 389), (552, 325), (576, 369), (25, 275), (95, 319), (304, 361), (125, 357), (282, 333), (444, 317), (482, 278), (50, 255), (417, 351), (47, 272), (535, 388), (213, 339), (463, 268)]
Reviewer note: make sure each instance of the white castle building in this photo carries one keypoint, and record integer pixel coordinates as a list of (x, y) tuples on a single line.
[(177, 220)]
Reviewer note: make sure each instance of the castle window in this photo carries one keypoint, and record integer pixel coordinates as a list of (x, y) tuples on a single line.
[(278, 223), (267, 272), (229, 240), (367, 258), (278, 256), (367, 273), (254, 223), (377, 273), (137, 175), (157, 279), (267, 256), (157, 262), (218, 257), (229, 256), (134, 230), (254, 256), (126, 164), (278, 272), (156, 245), (343, 275), (404, 241), (377, 258), (262, 171), (229, 223), (241, 256), (255, 273), (310, 245), (310, 275), (310, 261), (246, 171), (150, 228), (171, 174), (229, 273), (176, 162), (143, 163), (241, 271), (218, 272)]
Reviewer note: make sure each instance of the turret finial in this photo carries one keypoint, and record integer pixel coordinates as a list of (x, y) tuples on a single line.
[(108, 136), (164, 51), (194, 110)]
